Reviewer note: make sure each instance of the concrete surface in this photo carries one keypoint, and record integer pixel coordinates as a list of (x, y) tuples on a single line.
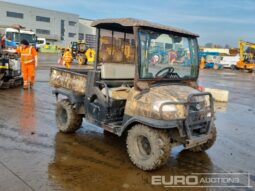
[(34, 156)]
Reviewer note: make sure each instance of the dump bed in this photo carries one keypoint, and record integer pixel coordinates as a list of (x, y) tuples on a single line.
[(71, 79)]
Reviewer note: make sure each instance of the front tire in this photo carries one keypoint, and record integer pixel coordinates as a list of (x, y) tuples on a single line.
[(81, 59), (148, 148), (68, 121), (209, 143), (233, 67)]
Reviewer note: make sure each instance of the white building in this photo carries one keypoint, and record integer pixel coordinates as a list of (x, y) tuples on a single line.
[(57, 27), (87, 33)]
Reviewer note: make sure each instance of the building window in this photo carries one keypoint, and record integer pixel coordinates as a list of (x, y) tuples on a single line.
[(14, 14), (81, 36), (71, 35), (62, 27), (43, 19), (42, 31), (91, 40), (72, 23)]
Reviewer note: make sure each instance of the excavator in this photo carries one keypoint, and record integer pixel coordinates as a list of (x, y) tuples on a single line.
[(247, 56)]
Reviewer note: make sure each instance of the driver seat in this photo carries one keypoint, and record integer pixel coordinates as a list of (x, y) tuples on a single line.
[(119, 79)]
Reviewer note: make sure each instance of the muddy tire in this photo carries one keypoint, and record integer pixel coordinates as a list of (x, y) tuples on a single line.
[(233, 67), (148, 148), (209, 143), (80, 59), (68, 121)]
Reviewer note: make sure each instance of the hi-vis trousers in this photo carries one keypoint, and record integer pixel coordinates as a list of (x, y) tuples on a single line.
[(28, 73)]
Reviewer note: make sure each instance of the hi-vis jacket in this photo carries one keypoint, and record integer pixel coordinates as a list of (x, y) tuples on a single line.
[(67, 57), (27, 55)]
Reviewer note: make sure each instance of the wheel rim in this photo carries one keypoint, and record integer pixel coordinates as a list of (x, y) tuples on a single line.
[(144, 147), (63, 116)]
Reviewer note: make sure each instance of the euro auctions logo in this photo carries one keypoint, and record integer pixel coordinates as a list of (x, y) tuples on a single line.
[(220, 180), (175, 180)]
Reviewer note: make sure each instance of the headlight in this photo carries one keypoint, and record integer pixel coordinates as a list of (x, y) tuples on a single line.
[(165, 108), (198, 106), (169, 108)]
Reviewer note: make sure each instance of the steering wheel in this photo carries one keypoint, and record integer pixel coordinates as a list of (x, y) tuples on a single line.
[(168, 70)]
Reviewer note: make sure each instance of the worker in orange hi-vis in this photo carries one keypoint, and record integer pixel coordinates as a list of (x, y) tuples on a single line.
[(202, 63), (29, 61), (67, 57)]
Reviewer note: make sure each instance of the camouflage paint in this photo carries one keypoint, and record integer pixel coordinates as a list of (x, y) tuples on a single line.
[(147, 104), (60, 78)]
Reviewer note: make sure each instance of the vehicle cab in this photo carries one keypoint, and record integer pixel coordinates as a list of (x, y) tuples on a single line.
[(156, 63)]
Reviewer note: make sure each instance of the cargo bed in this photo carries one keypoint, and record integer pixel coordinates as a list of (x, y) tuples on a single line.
[(70, 79)]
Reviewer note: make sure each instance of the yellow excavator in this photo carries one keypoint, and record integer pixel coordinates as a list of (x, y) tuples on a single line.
[(247, 56)]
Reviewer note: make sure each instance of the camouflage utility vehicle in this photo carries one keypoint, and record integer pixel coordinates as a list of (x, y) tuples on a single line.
[(143, 83)]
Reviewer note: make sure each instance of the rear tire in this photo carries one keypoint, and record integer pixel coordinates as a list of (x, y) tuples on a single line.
[(81, 59), (148, 148), (209, 143), (68, 121)]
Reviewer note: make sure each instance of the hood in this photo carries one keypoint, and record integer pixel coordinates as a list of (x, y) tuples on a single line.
[(148, 104), (170, 93)]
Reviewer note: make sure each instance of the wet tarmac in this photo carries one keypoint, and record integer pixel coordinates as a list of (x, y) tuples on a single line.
[(34, 156)]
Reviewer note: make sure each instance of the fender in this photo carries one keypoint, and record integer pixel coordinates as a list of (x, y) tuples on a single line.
[(75, 99), (155, 123)]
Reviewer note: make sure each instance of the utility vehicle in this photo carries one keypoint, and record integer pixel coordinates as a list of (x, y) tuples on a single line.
[(157, 105)]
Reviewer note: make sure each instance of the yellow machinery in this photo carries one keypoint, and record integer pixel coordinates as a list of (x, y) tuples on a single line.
[(78, 52), (82, 53), (247, 59)]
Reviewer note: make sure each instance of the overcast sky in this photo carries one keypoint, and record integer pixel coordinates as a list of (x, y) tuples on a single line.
[(217, 21)]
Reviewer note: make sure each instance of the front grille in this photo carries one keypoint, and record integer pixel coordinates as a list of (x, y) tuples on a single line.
[(199, 114), (199, 122)]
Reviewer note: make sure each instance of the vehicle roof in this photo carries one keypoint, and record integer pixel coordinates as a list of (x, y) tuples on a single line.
[(11, 30), (26, 32), (19, 31), (132, 22)]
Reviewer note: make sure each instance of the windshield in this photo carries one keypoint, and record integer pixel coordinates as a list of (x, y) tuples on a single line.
[(13, 36), (29, 37), (167, 56)]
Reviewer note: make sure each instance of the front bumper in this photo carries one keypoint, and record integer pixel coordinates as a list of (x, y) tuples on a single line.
[(198, 123)]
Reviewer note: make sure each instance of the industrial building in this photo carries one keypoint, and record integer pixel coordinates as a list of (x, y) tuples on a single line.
[(86, 32), (56, 27)]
